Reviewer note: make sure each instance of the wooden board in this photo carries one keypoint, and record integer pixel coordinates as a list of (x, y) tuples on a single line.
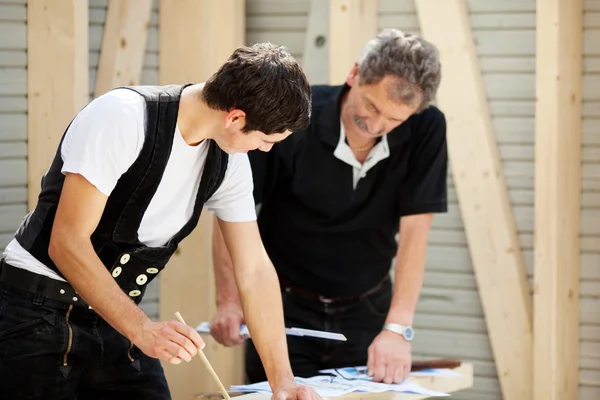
[(478, 177), (195, 39), (55, 31), (352, 23), (123, 44), (558, 199)]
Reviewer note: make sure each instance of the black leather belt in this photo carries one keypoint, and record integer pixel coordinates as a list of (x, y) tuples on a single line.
[(331, 300), (39, 285)]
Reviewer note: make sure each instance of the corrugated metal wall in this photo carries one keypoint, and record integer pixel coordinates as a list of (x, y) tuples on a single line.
[(589, 378), (13, 118)]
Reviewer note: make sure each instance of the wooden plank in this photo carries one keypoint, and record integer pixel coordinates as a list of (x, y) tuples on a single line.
[(557, 199), (485, 207), (96, 38), (316, 46), (352, 23), (202, 34), (98, 16), (124, 41), (150, 61), (55, 31)]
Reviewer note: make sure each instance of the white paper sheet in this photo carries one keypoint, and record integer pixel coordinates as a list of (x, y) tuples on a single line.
[(204, 327), (361, 372), (330, 386)]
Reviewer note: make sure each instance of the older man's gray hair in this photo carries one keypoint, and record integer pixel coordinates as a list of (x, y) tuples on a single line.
[(410, 58)]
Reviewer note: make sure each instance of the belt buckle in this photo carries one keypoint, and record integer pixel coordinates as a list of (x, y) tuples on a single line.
[(325, 300)]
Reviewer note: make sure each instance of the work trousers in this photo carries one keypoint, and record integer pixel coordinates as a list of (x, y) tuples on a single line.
[(360, 320), (53, 351)]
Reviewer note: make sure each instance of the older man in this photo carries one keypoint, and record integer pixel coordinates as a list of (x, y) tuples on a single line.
[(333, 197)]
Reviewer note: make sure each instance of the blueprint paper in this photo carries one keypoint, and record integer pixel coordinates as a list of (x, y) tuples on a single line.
[(361, 372), (328, 386)]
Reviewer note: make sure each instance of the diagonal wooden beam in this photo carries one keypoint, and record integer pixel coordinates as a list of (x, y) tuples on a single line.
[(195, 38), (57, 34), (482, 194), (123, 44), (559, 46), (352, 23)]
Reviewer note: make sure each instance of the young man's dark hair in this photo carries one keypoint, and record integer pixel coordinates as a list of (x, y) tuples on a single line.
[(274, 93)]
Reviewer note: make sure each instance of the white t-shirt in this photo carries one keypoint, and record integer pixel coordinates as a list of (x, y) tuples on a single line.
[(106, 137)]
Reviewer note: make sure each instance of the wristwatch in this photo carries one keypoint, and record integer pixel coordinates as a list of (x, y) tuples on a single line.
[(406, 331)]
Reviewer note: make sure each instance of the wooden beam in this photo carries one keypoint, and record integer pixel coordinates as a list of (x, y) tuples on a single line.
[(559, 43), (123, 44), (57, 78), (315, 58), (352, 23), (482, 194), (195, 38)]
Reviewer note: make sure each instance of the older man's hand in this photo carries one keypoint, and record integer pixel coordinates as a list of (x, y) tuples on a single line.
[(226, 323), (389, 358)]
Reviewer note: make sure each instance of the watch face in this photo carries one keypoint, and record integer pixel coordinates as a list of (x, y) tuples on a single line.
[(409, 333)]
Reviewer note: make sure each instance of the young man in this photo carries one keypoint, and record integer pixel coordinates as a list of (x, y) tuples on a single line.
[(371, 164), (129, 180)]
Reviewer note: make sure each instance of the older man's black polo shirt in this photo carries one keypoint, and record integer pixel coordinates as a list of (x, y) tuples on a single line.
[(321, 233)]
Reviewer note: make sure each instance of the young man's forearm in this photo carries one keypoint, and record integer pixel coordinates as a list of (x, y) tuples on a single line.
[(263, 312), (409, 269), (226, 287), (260, 295), (78, 262)]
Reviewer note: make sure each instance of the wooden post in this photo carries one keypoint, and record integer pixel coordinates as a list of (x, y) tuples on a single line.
[(123, 44), (195, 38), (315, 58), (57, 78), (557, 198), (482, 194), (352, 23)]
